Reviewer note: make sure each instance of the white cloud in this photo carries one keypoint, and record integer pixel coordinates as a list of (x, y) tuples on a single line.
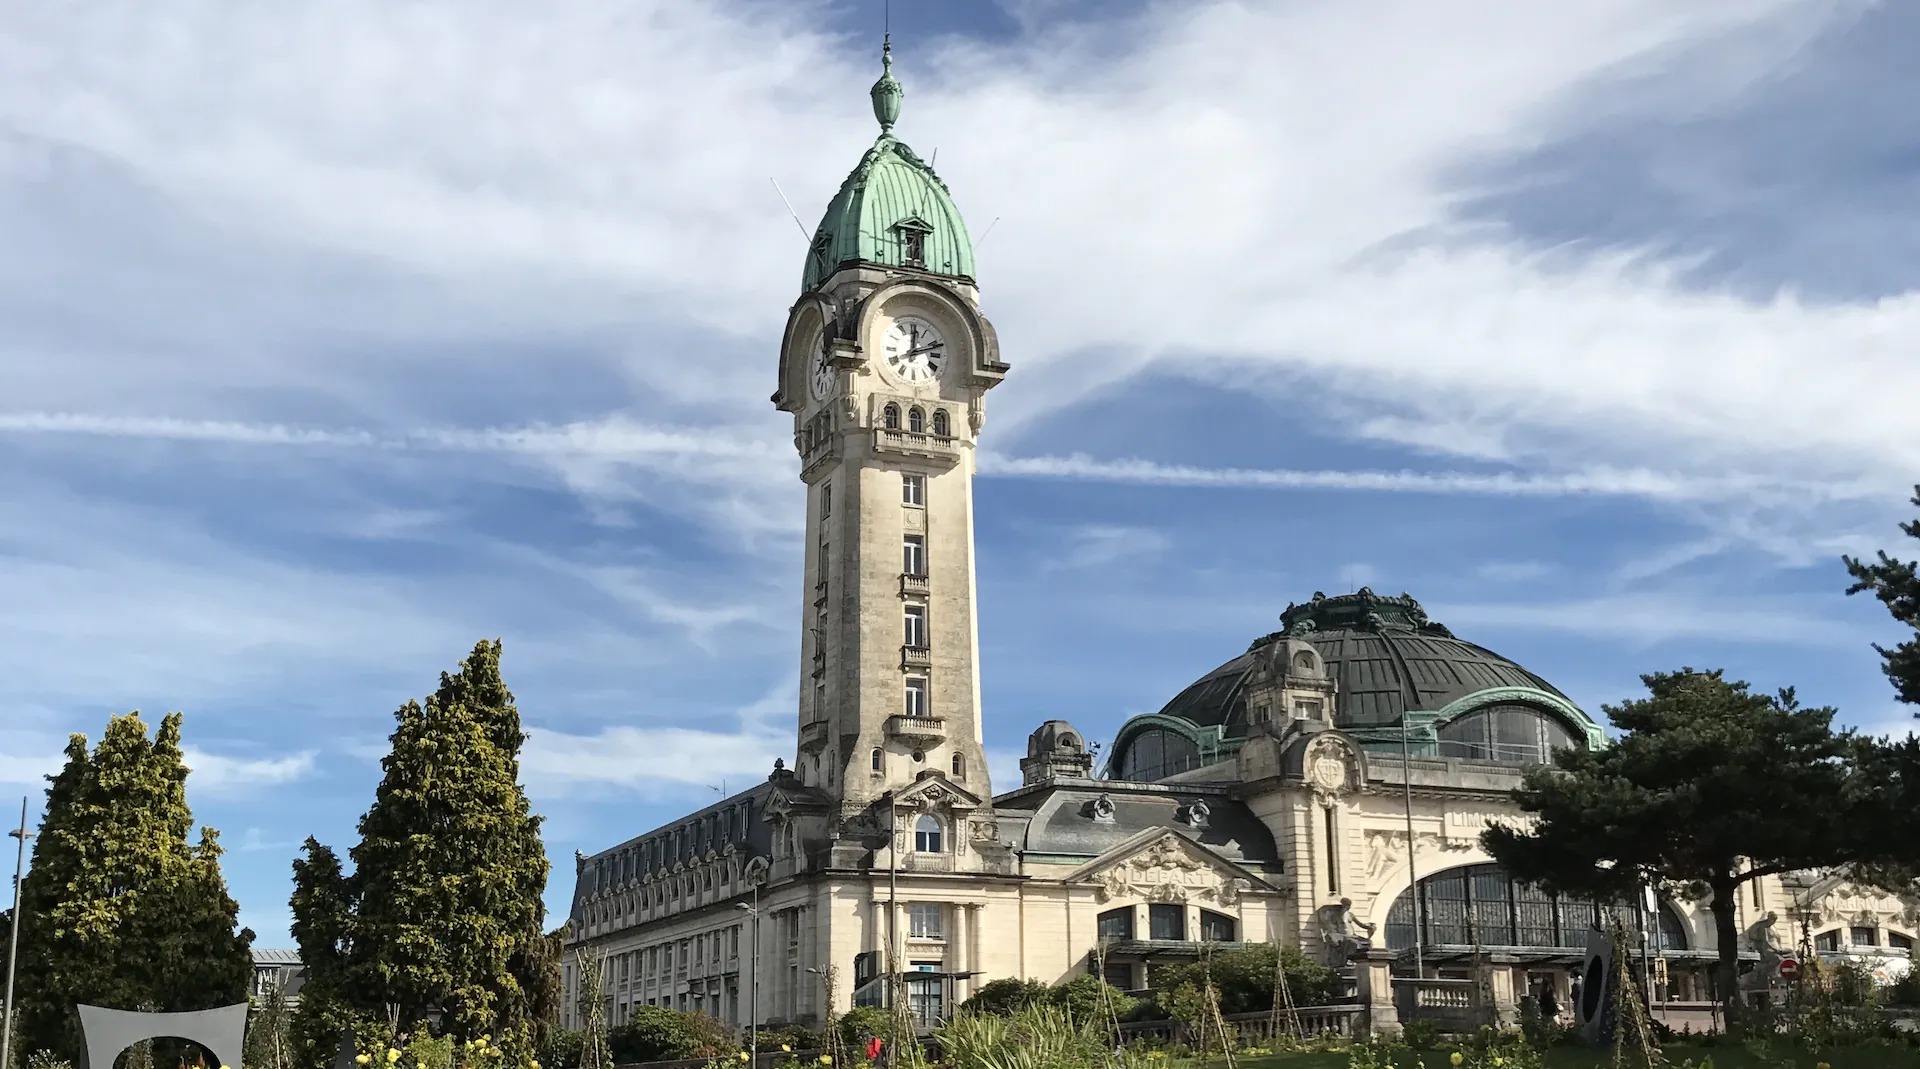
[(1639, 482), (1093, 546), (1309, 201), (646, 760), (1648, 619), (224, 774), (29, 769)]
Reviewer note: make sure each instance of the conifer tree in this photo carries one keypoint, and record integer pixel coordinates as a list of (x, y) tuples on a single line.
[(1897, 584), (1709, 787), (443, 905), (120, 910)]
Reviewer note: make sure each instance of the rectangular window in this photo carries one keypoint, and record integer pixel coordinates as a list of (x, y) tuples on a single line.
[(1900, 942), (913, 553), (826, 500), (1217, 927), (913, 490), (1116, 924), (916, 626), (819, 705), (916, 248), (924, 997), (917, 704), (1306, 710), (1865, 937), (925, 920), (1167, 921), (1827, 942), (1119, 974)]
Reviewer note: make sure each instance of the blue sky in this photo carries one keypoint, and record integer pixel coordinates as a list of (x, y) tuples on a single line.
[(335, 336)]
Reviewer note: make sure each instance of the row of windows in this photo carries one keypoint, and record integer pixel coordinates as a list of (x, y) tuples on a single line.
[(1480, 905), (1167, 922), (1860, 936), (698, 836), (913, 491), (1515, 733), (916, 420), (877, 761)]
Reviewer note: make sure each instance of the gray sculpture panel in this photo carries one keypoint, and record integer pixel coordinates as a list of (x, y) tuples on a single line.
[(222, 1031)]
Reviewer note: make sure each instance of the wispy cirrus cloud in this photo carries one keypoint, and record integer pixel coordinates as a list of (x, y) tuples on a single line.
[(1608, 482), (225, 773)]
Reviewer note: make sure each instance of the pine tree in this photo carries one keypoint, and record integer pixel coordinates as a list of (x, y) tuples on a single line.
[(1897, 584), (443, 907), (121, 910), (1710, 786)]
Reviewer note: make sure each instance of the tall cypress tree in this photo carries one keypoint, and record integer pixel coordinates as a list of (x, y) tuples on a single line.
[(121, 910), (445, 895)]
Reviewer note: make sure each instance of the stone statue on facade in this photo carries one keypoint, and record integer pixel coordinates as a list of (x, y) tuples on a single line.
[(1761, 938), (1346, 937)]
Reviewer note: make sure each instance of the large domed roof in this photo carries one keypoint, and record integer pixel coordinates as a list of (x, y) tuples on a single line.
[(892, 210), (1386, 657)]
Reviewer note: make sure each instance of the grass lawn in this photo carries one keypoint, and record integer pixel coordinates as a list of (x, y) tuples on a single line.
[(1724, 1057)]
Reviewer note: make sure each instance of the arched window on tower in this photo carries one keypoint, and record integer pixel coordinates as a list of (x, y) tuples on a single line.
[(916, 421), (940, 425), (890, 416), (927, 834), (960, 766), (876, 759)]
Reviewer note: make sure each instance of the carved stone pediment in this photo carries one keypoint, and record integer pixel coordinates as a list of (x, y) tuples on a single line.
[(933, 792), (1163, 866)]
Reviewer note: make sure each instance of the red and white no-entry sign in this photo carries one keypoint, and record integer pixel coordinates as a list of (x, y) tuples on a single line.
[(1789, 969)]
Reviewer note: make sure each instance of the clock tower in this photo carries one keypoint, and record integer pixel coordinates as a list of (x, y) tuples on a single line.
[(885, 365)]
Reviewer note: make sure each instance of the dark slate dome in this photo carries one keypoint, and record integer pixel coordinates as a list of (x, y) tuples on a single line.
[(1384, 654)]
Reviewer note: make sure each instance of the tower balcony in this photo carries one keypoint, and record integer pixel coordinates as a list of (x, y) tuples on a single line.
[(914, 584), (910, 443), (916, 657), (813, 737), (924, 730)]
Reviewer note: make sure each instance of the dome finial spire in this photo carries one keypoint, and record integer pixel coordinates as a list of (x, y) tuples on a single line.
[(886, 92)]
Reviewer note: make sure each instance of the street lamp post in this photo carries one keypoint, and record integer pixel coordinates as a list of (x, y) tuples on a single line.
[(753, 980), (1413, 874), (13, 942)]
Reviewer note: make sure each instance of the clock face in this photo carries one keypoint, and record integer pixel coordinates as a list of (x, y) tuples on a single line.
[(820, 375), (914, 350)]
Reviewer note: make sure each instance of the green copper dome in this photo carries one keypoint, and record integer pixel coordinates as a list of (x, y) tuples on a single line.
[(892, 210)]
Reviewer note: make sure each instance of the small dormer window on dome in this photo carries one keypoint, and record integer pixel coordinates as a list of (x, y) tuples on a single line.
[(912, 232)]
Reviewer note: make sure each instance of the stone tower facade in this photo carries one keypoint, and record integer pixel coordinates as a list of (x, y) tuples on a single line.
[(885, 365)]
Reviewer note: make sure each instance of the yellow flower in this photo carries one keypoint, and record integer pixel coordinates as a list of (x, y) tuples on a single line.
[(393, 1056), (743, 1055), (1456, 1058), (786, 1047), (1497, 1060), (360, 1059), (826, 1059), (1822, 1065)]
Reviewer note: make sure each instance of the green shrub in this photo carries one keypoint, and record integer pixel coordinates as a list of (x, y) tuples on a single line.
[(1005, 997), (1033, 1037), (862, 1021), (653, 1033), (562, 1049), (1089, 999), (1243, 976), (1420, 1035)]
